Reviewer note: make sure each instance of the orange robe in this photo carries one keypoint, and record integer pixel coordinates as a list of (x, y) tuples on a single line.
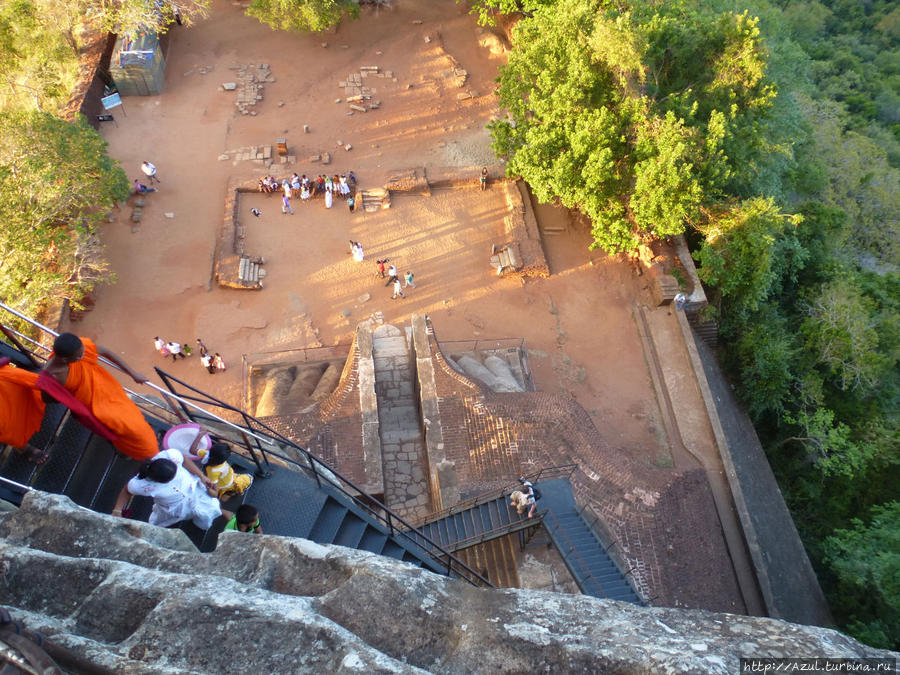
[(99, 391), (21, 407)]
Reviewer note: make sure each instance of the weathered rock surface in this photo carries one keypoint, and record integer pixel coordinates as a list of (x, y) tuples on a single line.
[(139, 599)]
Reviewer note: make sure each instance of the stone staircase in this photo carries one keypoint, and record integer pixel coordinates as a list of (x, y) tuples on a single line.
[(250, 272), (403, 453), (706, 329), (374, 199)]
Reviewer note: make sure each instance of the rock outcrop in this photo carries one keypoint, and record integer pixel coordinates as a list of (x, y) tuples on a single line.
[(140, 599)]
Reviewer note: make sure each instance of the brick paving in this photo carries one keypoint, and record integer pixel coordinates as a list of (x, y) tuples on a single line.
[(663, 519)]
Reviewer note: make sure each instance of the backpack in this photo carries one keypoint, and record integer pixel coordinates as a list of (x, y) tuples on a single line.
[(536, 492)]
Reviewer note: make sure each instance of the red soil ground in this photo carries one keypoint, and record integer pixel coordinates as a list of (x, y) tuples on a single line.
[(578, 324)]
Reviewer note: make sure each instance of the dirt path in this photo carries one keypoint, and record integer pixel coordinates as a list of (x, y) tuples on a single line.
[(581, 336)]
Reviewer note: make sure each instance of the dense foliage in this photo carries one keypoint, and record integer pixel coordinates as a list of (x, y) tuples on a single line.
[(56, 181), (772, 142), (302, 15), (38, 62)]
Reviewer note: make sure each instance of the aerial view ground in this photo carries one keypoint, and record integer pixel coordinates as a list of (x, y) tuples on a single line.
[(579, 324)]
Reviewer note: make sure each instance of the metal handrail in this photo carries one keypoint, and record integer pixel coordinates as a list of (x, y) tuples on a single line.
[(494, 533), (571, 550), (405, 530), (20, 486), (324, 473), (547, 473)]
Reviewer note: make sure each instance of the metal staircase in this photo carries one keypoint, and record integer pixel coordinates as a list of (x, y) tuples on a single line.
[(297, 496), (478, 523), (595, 572), (490, 516)]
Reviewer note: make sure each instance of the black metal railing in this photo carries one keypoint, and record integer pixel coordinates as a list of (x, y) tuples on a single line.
[(547, 473), (569, 554), (326, 475), (188, 406)]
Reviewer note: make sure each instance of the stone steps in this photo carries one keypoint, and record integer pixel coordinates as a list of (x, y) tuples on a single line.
[(400, 431), (250, 273), (374, 199)]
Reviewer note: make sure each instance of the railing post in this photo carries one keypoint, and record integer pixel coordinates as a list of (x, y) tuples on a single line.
[(312, 466), (165, 378), (25, 352), (260, 472)]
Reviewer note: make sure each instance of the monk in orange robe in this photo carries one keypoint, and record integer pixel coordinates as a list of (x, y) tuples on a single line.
[(74, 364), (21, 411)]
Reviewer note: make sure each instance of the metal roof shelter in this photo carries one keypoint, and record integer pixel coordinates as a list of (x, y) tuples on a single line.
[(138, 65)]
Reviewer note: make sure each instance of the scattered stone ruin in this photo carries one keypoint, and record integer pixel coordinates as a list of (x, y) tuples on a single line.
[(234, 267)]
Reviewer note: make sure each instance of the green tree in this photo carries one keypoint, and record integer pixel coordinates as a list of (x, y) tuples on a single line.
[(130, 17), (639, 116), (56, 181), (866, 560), (38, 64), (302, 15), (747, 253), (487, 10), (841, 332)]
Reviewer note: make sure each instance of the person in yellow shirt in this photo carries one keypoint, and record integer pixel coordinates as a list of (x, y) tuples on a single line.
[(220, 472)]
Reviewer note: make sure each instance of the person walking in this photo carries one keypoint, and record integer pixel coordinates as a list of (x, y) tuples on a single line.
[(202, 346), (380, 267), (392, 275), (160, 345), (408, 278), (175, 350), (483, 178), (74, 371), (398, 289), (351, 203), (206, 360), (150, 171), (286, 204), (178, 488), (218, 363)]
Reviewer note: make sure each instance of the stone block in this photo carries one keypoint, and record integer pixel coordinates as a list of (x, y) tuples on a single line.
[(229, 86)]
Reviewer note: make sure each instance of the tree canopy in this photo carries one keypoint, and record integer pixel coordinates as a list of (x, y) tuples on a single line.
[(772, 141), (641, 118), (56, 182), (302, 15)]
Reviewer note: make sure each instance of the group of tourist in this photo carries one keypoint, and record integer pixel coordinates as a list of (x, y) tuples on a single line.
[(181, 490), (525, 498), (74, 377), (305, 188), (393, 277), (213, 363)]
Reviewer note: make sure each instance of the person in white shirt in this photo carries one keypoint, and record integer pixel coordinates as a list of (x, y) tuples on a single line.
[(150, 170), (160, 345), (175, 350)]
